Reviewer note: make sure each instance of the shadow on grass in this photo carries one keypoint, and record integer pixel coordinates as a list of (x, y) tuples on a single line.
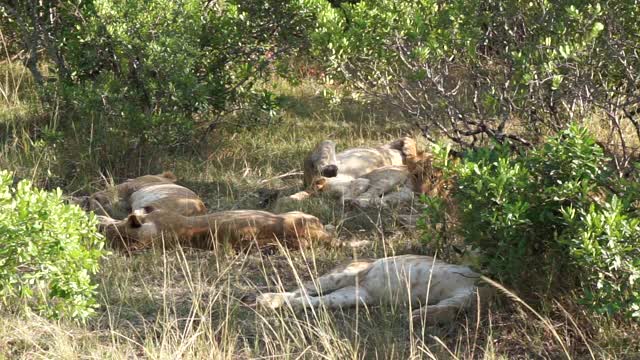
[(307, 106)]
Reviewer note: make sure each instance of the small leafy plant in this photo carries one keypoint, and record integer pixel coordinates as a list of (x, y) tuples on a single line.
[(48, 252)]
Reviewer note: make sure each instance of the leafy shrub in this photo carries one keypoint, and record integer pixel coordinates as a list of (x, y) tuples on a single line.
[(466, 69), (496, 207), (48, 251), (549, 211), (604, 242), (154, 71)]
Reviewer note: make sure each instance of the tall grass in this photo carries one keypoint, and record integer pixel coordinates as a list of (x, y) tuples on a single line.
[(186, 304)]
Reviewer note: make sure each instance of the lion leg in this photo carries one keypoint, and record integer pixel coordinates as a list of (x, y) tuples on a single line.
[(446, 310), (342, 276), (397, 198), (332, 284), (376, 190), (355, 189), (274, 300), (344, 297)]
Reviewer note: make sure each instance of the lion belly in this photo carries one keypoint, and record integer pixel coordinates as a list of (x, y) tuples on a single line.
[(412, 277), (361, 161), (168, 196)]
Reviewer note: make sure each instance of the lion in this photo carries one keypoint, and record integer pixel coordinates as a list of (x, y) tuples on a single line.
[(352, 163), (389, 175), (158, 191), (241, 228), (436, 290), (385, 185)]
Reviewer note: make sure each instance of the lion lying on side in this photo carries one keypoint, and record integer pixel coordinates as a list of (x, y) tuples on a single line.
[(387, 175), (351, 163), (445, 289), (158, 191), (241, 228)]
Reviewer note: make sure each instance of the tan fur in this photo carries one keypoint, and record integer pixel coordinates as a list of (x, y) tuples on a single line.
[(425, 178), (130, 186), (386, 183), (390, 185), (240, 228), (351, 171), (351, 163), (158, 191), (413, 280)]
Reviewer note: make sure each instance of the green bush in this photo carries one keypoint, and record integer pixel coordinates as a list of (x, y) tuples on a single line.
[(155, 71), (549, 212), (604, 242), (467, 69), (48, 251), (163, 64)]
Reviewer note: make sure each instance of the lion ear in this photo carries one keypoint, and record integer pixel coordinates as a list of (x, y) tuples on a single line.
[(134, 220), (169, 176)]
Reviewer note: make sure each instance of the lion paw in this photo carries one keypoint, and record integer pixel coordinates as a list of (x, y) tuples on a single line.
[(435, 315), (271, 300)]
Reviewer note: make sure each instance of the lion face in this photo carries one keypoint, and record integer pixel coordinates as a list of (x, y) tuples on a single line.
[(131, 232)]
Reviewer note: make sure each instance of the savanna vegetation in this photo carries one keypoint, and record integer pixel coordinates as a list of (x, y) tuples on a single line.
[(530, 110)]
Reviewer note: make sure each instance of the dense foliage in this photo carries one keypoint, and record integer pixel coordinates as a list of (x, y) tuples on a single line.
[(149, 70), (549, 211), (48, 251), (469, 70), (506, 70)]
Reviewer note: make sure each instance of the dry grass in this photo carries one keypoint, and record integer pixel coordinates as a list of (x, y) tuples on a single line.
[(186, 304)]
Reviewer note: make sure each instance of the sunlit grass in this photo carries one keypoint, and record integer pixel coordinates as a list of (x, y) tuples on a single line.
[(187, 305)]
